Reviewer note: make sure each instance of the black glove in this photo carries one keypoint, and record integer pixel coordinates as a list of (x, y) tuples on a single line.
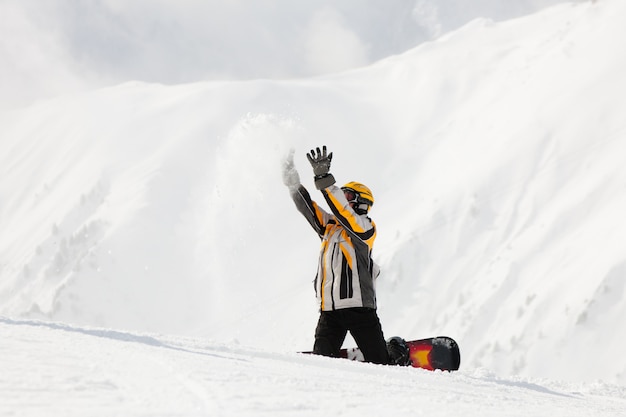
[(320, 161), (398, 351)]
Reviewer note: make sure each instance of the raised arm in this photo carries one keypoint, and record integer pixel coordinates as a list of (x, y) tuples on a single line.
[(316, 216)]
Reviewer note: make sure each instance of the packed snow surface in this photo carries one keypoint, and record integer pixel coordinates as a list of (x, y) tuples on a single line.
[(58, 369), (153, 263)]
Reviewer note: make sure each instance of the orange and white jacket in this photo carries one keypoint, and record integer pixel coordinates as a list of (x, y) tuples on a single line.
[(346, 272)]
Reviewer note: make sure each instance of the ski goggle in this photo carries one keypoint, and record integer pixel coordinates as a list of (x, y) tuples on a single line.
[(351, 195)]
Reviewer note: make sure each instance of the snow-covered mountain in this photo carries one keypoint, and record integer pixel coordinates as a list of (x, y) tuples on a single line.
[(60, 46), (495, 156)]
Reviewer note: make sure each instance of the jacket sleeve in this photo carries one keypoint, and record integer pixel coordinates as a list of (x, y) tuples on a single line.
[(317, 217), (360, 226)]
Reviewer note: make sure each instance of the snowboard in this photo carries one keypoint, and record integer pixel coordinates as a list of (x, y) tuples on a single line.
[(439, 352)]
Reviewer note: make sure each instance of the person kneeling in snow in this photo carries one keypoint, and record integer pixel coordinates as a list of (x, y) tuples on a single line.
[(344, 284)]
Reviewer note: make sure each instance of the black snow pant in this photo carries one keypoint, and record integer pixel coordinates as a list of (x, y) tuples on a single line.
[(364, 326)]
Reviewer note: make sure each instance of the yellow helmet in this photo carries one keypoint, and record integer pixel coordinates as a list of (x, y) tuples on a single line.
[(363, 194)]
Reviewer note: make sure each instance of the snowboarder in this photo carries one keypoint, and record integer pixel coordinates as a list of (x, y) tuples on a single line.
[(346, 272)]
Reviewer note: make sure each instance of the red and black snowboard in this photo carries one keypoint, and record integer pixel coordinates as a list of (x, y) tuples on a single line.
[(433, 353)]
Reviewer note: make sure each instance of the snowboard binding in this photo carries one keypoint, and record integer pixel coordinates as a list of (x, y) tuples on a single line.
[(398, 351)]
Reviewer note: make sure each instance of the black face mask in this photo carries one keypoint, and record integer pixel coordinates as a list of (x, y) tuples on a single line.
[(361, 208)]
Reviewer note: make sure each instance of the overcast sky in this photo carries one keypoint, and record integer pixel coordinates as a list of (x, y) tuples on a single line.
[(60, 46)]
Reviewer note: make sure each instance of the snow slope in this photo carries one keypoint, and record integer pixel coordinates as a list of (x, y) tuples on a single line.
[(495, 157), (58, 369)]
